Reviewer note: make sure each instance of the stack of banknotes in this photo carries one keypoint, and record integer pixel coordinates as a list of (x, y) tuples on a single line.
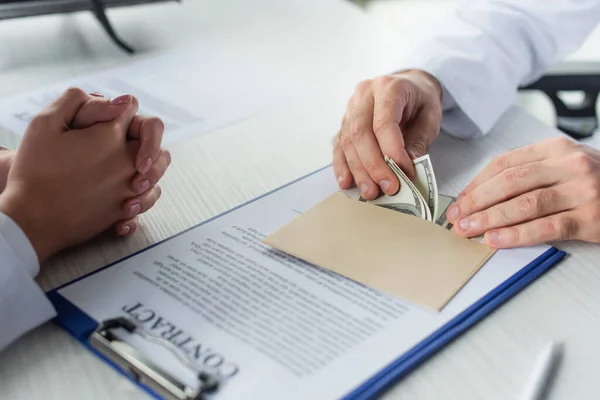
[(420, 197)]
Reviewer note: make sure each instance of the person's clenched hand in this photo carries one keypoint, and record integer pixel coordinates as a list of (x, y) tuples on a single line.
[(151, 161), (395, 115), (548, 191), (68, 185)]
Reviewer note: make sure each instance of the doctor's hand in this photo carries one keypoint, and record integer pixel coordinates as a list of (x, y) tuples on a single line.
[(395, 115), (151, 160), (544, 192)]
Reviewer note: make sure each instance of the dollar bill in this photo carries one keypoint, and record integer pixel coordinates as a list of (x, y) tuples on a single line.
[(398, 171), (443, 203), (426, 184), (406, 200), (419, 198)]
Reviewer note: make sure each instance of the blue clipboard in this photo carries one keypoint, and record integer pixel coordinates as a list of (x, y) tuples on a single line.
[(80, 325)]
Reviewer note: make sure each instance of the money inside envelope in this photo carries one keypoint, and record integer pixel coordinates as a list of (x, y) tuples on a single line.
[(419, 198)]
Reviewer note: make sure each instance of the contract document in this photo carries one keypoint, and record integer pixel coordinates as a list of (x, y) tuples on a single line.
[(272, 326)]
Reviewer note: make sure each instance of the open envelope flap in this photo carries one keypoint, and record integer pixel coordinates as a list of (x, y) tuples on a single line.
[(399, 254)]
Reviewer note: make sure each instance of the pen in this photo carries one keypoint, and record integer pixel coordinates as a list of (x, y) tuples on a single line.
[(544, 368)]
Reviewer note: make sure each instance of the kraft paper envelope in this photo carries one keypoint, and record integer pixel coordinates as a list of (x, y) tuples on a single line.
[(399, 254)]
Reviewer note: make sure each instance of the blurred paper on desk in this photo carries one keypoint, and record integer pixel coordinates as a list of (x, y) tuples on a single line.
[(396, 253), (194, 91)]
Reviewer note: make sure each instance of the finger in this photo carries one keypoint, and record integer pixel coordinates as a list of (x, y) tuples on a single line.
[(126, 227), (366, 145), (340, 167), (149, 131), (99, 109), (117, 127), (390, 102), (142, 203), (141, 183), (422, 132), (63, 110), (513, 158), (561, 226), (509, 183), (368, 189), (526, 207)]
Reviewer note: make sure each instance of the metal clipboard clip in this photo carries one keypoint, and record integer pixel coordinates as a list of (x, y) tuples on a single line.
[(131, 361)]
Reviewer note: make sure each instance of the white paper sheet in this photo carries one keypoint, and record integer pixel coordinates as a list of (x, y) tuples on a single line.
[(274, 326), (194, 91)]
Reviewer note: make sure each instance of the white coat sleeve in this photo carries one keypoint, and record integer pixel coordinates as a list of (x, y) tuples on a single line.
[(486, 49), (23, 304)]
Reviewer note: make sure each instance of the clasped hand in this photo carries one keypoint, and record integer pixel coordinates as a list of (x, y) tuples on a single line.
[(85, 164)]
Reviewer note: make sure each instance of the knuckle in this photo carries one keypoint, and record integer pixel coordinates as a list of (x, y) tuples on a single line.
[(510, 176), (470, 202), (582, 162), (357, 133), (561, 142), (527, 204), (167, 155), (568, 228), (75, 92), (374, 169), (346, 141), (500, 162), (363, 86), (485, 218), (158, 124), (40, 122), (383, 81)]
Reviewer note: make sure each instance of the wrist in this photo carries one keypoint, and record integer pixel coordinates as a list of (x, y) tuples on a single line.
[(30, 221)]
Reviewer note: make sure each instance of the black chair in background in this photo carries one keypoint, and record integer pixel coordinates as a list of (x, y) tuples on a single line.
[(29, 8), (577, 119)]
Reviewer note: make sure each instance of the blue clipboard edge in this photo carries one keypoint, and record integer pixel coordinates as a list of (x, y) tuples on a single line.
[(403, 365), (80, 325)]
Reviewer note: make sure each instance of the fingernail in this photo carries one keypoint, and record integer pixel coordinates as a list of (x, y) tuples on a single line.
[(452, 213), (494, 237), (123, 99), (124, 230), (134, 209), (96, 94), (385, 185), (465, 224), (146, 164), (364, 188), (340, 178), (143, 186)]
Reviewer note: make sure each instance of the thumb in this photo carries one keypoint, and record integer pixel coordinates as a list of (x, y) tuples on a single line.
[(416, 149), (421, 134), (62, 110), (98, 109)]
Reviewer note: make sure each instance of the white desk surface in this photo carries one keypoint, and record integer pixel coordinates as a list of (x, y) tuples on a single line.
[(331, 43)]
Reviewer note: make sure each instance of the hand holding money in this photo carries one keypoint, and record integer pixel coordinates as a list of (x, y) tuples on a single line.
[(419, 198)]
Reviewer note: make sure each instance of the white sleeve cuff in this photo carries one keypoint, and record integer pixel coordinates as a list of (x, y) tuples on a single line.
[(455, 120), (23, 305)]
